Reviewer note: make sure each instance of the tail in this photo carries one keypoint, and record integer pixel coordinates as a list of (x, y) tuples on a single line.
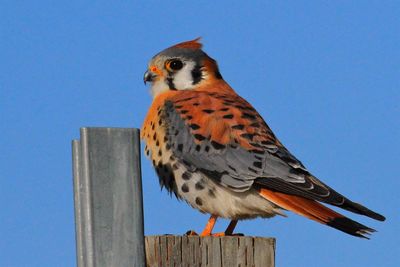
[(317, 212)]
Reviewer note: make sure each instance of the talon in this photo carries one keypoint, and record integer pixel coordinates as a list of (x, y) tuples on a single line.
[(191, 233), (218, 234), (238, 234), (225, 234)]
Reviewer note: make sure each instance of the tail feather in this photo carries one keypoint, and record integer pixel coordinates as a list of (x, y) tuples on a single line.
[(360, 209), (317, 212)]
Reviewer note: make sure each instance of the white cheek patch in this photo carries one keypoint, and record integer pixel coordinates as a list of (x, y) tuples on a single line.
[(183, 78)]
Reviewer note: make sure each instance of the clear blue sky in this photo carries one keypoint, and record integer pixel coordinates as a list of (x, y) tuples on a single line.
[(324, 74)]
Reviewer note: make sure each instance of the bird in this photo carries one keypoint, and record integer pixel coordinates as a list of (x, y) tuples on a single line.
[(211, 148)]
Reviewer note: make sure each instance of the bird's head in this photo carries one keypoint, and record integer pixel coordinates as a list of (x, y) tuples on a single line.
[(181, 67)]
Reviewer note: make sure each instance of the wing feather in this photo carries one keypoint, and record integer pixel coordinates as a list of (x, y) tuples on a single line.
[(224, 137)]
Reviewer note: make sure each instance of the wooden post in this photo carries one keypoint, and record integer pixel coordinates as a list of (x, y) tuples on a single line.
[(188, 251), (108, 198)]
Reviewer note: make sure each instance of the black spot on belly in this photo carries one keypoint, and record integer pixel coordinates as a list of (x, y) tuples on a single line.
[(185, 188), (199, 201), (186, 176), (211, 193), (199, 185)]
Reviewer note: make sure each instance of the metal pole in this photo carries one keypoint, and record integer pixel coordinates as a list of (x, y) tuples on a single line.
[(78, 188), (108, 198)]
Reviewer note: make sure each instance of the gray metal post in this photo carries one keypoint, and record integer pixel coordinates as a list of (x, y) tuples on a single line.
[(108, 198)]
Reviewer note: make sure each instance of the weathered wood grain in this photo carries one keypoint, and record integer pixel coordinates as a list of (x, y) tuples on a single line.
[(194, 251)]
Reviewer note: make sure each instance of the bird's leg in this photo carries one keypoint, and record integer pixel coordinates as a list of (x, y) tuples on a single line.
[(231, 227), (209, 226)]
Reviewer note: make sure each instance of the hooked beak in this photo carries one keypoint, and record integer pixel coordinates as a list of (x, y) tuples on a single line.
[(148, 77)]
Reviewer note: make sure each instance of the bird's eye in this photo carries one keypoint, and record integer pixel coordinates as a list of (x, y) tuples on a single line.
[(174, 65)]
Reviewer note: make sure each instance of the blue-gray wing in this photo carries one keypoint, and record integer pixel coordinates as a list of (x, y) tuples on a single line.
[(225, 138)]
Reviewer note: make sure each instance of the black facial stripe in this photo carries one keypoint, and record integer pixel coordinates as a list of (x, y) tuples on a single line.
[(197, 74), (170, 82)]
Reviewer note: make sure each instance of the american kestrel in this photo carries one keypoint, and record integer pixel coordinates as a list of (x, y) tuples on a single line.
[(210, 147)]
